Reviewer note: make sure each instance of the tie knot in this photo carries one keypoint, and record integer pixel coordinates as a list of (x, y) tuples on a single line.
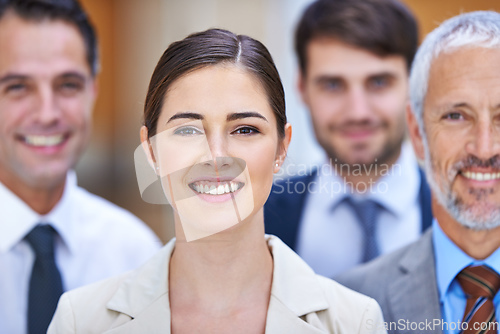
[(479, 281), (366, 210), (364, 204), (41, 239)]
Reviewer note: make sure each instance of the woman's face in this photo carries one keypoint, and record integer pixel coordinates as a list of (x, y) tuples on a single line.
[(216, 149)]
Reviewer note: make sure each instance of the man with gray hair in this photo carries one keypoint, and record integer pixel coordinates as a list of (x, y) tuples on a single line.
[(447, 282)]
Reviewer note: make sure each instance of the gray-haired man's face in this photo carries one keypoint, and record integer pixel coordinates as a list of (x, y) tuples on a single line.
[(462, 123)]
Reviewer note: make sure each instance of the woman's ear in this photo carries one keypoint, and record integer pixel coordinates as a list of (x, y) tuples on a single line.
[(148, 149), (283, 148)]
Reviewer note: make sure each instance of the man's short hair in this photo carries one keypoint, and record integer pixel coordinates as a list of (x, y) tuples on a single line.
[(69, 11), (382, 27), (474, 29)]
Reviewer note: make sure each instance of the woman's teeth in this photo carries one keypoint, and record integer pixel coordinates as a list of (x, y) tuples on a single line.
[(215, 188)]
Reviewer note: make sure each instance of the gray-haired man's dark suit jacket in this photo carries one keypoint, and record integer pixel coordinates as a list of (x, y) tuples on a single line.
[(403, 283)]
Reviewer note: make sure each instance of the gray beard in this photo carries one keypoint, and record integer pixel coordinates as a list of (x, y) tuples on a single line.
[(454, 205)]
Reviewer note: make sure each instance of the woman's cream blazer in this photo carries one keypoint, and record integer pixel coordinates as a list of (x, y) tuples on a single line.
[(137, 302)]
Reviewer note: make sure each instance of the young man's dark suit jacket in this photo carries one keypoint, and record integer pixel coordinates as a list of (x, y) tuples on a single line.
[(283, 211)]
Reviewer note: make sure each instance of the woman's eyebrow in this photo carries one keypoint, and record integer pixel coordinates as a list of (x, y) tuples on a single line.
[(246, 114), (188, 115)]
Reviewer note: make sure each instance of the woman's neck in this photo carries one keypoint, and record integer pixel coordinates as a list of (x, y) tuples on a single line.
[(224, 271)]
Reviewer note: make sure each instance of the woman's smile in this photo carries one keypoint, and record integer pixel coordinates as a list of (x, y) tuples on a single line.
[(216, 188)]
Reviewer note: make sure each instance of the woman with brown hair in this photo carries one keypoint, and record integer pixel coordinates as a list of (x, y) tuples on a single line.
[(215, 131)]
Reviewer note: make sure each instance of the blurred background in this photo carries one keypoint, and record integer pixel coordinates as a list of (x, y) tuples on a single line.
[(132, 36)]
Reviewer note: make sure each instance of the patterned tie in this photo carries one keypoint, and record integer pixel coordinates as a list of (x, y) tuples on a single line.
[(480, 284), (45, 283), (367, 212)]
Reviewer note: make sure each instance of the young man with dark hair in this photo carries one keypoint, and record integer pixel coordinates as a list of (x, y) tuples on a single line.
[(370, 196), (54, 236)]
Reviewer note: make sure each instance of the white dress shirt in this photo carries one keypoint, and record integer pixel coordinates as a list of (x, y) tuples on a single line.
[(330, 238), (95, 240)]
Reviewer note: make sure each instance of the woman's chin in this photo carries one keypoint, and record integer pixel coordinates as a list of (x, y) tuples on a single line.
[(201, 217)]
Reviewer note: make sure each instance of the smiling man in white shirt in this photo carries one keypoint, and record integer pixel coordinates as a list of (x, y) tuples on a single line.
[(48, 68)]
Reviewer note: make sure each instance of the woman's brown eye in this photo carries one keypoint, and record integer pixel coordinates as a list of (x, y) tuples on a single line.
[(246, 131)]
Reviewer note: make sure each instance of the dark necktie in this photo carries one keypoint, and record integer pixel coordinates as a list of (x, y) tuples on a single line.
[(367, 212), (45, 285), (480, 284)]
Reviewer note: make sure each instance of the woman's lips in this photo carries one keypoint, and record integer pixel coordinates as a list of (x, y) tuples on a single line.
[(216, 188), (216, 192)]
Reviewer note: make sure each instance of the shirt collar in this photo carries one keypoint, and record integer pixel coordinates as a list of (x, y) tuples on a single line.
[(18, 219), (450, 259), (330, 188), (62, 215), (398, 196), (399, 185)]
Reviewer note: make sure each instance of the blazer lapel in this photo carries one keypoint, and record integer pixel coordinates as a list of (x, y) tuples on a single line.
[(295, 292), (280, 319), (155, 318), (142, 299), (414, 293)]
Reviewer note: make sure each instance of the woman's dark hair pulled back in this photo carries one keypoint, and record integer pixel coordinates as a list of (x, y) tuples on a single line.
[(213, 47)]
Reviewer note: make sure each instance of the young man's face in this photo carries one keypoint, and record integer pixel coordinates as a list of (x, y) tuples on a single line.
[(356, 100), (47, 94)]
